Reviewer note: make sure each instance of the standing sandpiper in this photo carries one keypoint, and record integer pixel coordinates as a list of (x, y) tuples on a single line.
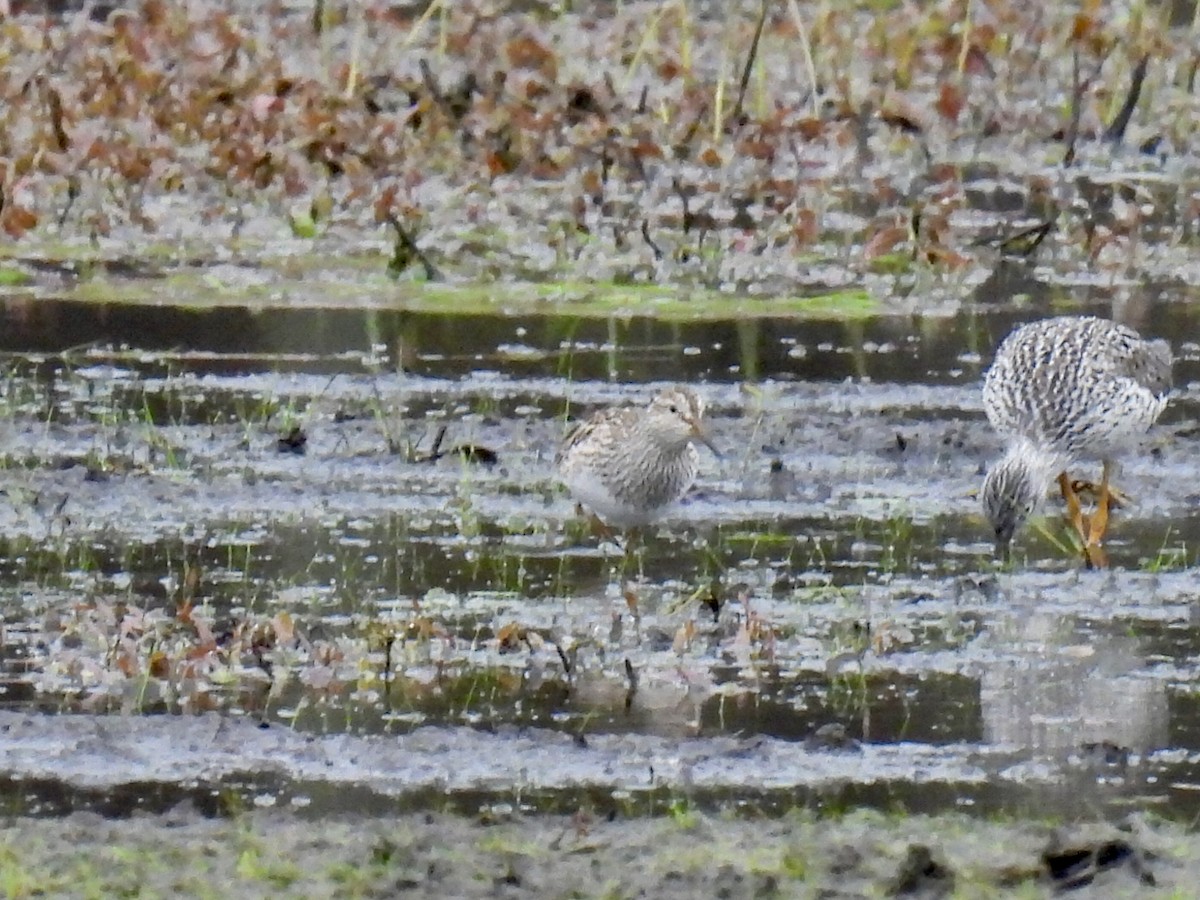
[(1062, 390), (627, 465)]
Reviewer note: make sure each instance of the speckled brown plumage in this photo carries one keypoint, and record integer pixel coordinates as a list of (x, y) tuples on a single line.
[(628, 464), (1077, 386), (1061, 390)]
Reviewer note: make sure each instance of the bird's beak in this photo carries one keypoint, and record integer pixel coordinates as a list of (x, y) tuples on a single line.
[(702, 436)]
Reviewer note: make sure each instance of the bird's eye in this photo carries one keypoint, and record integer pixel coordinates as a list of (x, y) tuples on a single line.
[(673, 408)]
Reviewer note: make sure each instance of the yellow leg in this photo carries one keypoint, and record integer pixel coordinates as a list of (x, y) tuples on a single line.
[(1093, 554), (1074, 510), (1095, 557), (1100, 516), (600, 528)]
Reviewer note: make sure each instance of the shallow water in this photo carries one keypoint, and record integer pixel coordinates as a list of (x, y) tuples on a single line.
[(830, 569)]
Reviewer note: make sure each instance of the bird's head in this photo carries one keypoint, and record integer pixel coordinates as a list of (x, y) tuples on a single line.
[(1013, 491), (676, 417)]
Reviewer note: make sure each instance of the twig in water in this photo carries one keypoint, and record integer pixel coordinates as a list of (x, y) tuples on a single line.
[(1080, 88), (406, 250), (1115, 132), (631, 677), (749, 67), (658, 254)]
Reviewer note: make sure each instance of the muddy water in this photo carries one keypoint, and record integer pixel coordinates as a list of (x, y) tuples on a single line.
[(822, 621)]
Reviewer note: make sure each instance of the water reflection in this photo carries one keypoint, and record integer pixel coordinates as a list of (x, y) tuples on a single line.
[(231, 341), (1056, 691)]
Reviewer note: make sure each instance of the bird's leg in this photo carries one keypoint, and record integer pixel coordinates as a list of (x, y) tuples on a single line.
[(1093, 555), (1099, 522), (636, 540), (602, 531), (1089, 532), (633, 551), (1074, 510)]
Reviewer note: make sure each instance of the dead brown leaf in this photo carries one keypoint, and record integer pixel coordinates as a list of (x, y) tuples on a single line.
[(884, 241)]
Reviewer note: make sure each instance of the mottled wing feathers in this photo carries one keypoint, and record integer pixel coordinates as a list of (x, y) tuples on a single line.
[(597, 427), (1077, 384), (628, 464), (1120, 352)]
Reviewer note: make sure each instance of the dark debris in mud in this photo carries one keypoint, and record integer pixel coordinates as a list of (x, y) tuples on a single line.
[(294, 442), (921, 875), (1075, 859)]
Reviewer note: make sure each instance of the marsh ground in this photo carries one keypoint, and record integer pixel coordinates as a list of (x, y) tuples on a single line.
[(289, 338)]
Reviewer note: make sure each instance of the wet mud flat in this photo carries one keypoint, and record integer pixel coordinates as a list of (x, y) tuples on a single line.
[(689, 854), (204, 609), (245, 599)]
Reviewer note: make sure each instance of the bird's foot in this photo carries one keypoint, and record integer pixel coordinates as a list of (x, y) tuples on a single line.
[(1094, 556), (1086, 536), (1117, 498), (1074, 511)]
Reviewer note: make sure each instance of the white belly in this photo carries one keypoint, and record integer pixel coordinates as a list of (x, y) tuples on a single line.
[(595, 495)]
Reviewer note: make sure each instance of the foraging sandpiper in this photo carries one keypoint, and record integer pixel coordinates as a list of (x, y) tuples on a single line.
[(1061, 390), (627, 465)]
